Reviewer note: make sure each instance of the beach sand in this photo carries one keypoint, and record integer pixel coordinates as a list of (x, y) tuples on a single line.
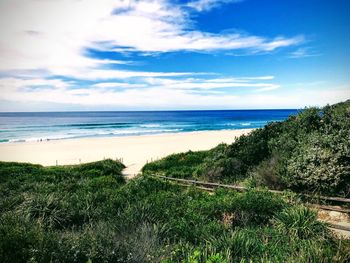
[(133, 151)]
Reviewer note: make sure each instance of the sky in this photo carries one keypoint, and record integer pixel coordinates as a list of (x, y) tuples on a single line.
[(68, 55)]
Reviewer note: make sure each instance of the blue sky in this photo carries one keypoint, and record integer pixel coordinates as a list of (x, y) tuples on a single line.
[(157, 55)]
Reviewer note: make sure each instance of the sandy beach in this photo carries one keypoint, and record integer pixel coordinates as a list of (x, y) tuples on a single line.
[(134, 151)]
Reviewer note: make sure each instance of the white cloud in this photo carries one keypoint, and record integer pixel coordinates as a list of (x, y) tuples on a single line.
[(281, 42), (41, 40), (54, 35), (168, 93), (107, 74), (146, 91), (304, 52), (144, 80), (164, 97), (242, 79), (209, 84), (118, 85), (14, 84), (268, 88), (206, 5)]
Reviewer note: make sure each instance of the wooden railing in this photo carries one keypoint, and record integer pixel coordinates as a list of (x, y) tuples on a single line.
[(242, 188), (208, 186)]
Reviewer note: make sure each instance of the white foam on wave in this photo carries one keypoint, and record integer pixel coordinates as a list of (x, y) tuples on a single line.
[(239, 124), (44, 138), (95, 134), (151, 125), (142, 131), (246, 124), (16, 140)]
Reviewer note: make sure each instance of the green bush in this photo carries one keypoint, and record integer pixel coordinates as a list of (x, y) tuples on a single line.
[(309, 152), (300, 222), (321, 164), (255, 207), (182, 165), (19, 238), (267, 173), (88, 213)]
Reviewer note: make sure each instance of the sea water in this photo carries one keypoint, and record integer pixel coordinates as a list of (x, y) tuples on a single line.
[(43, 126)]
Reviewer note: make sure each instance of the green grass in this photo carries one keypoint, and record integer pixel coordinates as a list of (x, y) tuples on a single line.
[(181, 165), (88, 213)]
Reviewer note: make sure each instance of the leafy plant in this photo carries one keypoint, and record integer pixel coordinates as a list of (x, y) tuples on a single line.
[(309, 152)]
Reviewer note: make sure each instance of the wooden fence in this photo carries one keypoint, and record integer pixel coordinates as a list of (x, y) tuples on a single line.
[(208, 186), (242, 188)]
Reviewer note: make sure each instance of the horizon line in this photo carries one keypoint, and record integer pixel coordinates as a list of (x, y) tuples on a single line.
[(82, 111)]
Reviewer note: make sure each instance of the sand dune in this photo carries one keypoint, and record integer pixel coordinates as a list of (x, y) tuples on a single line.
[(134, 151)]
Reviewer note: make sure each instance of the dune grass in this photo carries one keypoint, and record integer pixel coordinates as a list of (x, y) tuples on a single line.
[(88, 213)]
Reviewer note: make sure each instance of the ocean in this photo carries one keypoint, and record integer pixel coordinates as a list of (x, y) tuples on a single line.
[(43, 126)]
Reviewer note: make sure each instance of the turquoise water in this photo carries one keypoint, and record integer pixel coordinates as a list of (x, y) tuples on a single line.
[(36, 126)]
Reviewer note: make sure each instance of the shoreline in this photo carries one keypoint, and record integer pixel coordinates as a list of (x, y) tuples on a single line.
[(134, 151), (102, 137)]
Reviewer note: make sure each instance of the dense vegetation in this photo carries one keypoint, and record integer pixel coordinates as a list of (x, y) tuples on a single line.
[(307, 152), (88, 213)]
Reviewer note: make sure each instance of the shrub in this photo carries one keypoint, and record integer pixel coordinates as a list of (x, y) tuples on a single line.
[(321, 164), (308, 152), (86, 214), (19, 238), (300, 222), (182, 165), (255, 207), (267, 173)]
